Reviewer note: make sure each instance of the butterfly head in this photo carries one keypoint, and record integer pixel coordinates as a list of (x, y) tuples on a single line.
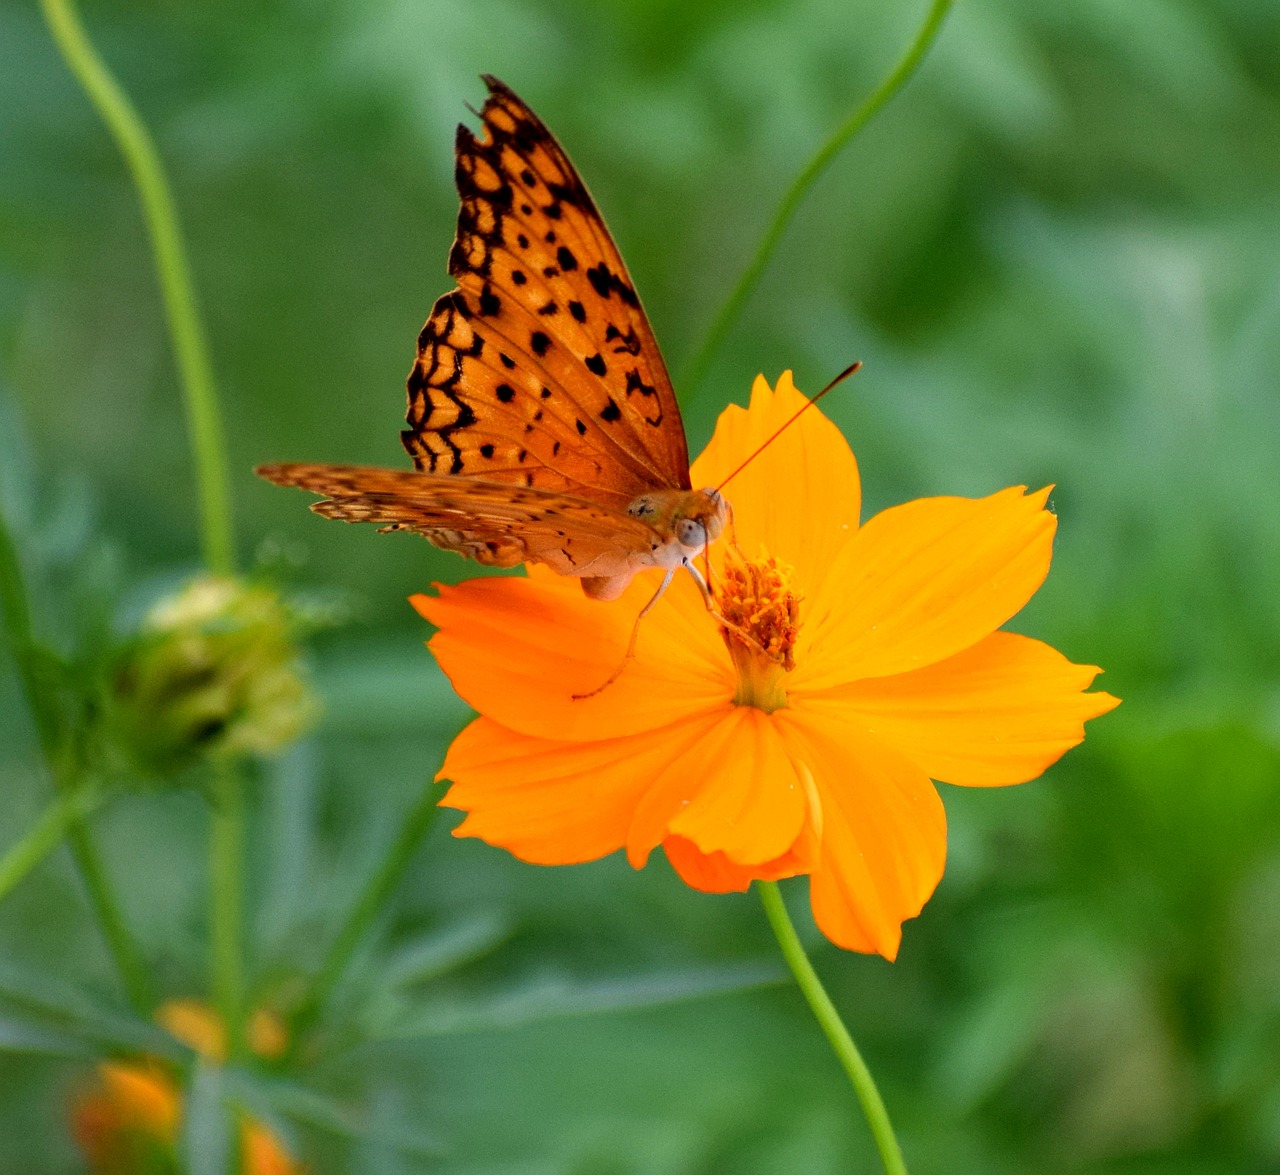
[(689, 520)]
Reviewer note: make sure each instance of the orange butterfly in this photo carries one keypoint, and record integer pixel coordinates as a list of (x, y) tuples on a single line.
[(541, 417)]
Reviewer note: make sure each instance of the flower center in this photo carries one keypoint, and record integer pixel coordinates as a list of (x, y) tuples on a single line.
[(763, 621)]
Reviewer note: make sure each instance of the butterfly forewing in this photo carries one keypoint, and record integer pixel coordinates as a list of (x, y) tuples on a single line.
[(540, 370)]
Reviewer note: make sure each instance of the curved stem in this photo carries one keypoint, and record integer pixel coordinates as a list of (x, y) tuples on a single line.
[(204, 422), (696, 368), (190, 348), (837, 1034)]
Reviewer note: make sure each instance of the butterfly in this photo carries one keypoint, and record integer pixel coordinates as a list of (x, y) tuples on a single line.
[(542, 421)]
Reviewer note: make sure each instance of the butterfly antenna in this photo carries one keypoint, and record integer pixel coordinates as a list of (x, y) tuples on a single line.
[(812, 400)]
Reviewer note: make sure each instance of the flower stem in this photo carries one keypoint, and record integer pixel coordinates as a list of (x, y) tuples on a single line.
[(45, 835), (190, 348), (417, 823), (226, 902), (696, 368), (204, 422), (129, 963), (837, 1034)]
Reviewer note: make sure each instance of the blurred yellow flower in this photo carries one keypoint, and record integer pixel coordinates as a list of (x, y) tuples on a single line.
[(130, 1122)]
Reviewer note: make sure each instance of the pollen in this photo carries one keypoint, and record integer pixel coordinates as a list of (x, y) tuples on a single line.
[(760, 613)]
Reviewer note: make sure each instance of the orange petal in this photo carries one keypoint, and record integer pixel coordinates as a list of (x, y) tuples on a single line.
[(144, 1097), (518, 650), (884, 833), (262, 1153), (800, 497), (196, 1024), (734, 792), (552, 802), (922, 581), (997, 713), (715, 873)]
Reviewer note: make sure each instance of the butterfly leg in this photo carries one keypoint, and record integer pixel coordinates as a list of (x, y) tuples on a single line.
[(635, 631)]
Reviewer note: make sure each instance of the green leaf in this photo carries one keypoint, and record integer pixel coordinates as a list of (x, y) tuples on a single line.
[(446, 950), (555, 997), (207, 1137), (273, 1096), (76, 1014), (23, 1036)]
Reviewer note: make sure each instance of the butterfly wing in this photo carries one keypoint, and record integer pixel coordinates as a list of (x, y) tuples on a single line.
[(540, 370), (492, 522)]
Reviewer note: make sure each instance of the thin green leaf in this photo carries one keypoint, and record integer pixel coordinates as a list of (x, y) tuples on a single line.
[(22, 1036), (78, 1014), (446, 950), (551, 997), (206, 1123), (273, 1096)]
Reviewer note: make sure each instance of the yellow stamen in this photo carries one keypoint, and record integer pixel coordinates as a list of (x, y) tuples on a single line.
[(763, 612)]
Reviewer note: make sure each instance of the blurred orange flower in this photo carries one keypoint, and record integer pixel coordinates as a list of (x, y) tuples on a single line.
[(131, 1122), (871, 665)]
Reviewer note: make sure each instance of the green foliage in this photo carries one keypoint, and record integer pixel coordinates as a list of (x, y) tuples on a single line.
[(1057, 255)]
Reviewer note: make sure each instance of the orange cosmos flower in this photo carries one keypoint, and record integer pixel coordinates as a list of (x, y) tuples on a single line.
[(874, 666), (131, 1122)]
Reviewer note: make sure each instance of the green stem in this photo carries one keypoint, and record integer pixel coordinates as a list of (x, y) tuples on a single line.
[(46, 834), (129, 963), (204, 422), (226, 902), (190, 348), (417, 823), (838, 1035), (696, 368)]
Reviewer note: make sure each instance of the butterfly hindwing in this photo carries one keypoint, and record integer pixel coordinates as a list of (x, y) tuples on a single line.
[(541, 369), (494, 523)]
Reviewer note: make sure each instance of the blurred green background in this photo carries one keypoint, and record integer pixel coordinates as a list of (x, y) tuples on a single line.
[(1058, 255)]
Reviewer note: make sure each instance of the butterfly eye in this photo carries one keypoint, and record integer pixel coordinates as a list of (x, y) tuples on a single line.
[(691, 533)]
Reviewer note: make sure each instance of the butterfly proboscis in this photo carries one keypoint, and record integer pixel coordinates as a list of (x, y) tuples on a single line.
[(704, 579)]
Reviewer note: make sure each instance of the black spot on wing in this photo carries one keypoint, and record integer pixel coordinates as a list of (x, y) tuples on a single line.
[(606, 283)]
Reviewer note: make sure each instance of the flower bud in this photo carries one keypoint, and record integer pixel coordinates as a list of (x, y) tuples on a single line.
[(212, 672)]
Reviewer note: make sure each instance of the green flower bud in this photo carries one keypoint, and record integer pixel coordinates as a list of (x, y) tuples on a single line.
[(212, 672)]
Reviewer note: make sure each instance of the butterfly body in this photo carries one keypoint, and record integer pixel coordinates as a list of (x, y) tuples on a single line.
[(541, 419)]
